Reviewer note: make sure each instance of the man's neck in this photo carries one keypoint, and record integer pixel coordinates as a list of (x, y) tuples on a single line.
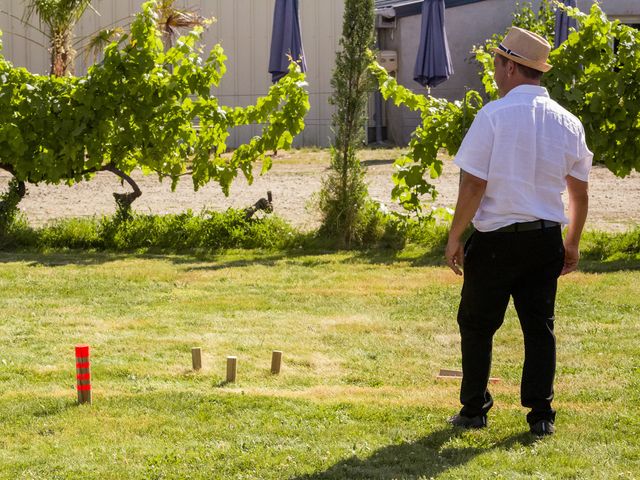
[(518, 83)]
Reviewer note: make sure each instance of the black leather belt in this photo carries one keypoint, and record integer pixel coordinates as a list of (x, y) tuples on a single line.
[(528, 226)]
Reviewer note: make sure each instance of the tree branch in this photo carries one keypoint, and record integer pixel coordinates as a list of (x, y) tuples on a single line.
[(123, 200), (22, 188)]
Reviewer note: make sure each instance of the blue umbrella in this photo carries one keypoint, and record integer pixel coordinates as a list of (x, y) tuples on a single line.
[(286, 39), (433, 65), (563, 23)]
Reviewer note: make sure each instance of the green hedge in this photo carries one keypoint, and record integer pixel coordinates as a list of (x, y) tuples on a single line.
[(210, 231), (215, 231), (612, 246)]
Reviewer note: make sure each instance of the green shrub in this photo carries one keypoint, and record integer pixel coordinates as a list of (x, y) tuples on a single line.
[(14, 229), (344, 195), (432, 234), (74, 233), (9, 205), (612, 246), (18, 234), (212, 231), (208, 231), (381, 228)]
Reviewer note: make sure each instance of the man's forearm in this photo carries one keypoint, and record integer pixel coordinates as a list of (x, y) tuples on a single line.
[(578, 209), (469, 196)]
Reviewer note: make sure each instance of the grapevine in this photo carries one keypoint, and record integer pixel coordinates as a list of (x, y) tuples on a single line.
[(137, 109)]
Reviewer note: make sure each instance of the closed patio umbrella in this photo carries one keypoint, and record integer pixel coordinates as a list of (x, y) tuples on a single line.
[(433, 65), (286, 39), (563, 23)]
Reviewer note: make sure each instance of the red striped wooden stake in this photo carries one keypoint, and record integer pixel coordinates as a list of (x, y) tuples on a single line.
[(83, 373)]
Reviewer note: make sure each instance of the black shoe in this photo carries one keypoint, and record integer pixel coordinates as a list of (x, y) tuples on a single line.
[(542, 428), (468, 422)]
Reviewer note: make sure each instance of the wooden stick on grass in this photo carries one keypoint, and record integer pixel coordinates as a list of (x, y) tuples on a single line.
[(276, 362), (232, 369), (196, 358)]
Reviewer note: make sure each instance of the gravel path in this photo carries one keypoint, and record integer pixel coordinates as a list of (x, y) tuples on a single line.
[(294, 179)]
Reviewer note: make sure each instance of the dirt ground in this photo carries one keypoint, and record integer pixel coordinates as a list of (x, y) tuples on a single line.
[(294, 180)]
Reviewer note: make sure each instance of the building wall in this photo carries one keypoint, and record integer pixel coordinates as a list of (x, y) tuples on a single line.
[(243, 28), (466, 26)]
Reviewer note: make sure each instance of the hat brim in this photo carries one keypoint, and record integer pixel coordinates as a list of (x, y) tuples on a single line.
[(542, 67)]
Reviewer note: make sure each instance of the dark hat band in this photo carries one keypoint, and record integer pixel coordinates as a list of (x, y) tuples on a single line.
[(508, 51)]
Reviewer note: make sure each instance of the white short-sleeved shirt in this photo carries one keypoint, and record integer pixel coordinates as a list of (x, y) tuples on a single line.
[(524, 145)]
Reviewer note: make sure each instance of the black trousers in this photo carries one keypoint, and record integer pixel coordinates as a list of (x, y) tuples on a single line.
[(497, 266)]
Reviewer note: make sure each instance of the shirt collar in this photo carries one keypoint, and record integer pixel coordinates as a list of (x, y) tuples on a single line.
[(529, 90)]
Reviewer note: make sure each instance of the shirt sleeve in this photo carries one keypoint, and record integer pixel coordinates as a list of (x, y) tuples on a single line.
[(582, 165), (474, 155)]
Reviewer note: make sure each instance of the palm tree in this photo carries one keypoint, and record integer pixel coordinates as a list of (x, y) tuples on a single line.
[(98, 42), (60, 17), (172, 20)]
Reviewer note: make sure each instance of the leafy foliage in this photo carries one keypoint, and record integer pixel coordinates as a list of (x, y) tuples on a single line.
[(137, 109), (595, 76), (208, 231), (541, 22), (344, 193), (211, 231), (172, 20), (606, 246), (9, 205), (444, 125)]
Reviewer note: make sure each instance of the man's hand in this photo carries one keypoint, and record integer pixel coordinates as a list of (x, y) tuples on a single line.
[(454, 254), (571, 258)]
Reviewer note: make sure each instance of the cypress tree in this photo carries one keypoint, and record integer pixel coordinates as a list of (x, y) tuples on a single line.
[(344, 192)]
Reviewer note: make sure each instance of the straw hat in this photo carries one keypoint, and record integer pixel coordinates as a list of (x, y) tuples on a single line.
[(526, 48)]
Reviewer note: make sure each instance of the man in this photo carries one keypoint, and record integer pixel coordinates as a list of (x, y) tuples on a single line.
[(519, 155)]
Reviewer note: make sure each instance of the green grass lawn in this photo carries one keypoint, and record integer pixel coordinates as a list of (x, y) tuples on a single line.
[(363, 338)]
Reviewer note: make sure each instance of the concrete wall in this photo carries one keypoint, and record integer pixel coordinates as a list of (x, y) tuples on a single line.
[(243, 28), (466, 26)]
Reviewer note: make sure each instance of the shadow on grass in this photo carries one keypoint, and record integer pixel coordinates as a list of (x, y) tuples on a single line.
[(432, 256), (599, 266), (52, 409), (374, 163), (324, 257), (61, 259), (424, 458), (82, 258)]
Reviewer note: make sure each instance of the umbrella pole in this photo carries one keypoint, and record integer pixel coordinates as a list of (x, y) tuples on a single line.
[(378, 118), (378, 100)]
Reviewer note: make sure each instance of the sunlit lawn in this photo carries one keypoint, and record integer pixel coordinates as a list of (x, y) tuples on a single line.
[(363, 337)]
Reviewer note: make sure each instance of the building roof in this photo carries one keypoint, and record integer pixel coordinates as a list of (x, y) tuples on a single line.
[(407, 8)]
